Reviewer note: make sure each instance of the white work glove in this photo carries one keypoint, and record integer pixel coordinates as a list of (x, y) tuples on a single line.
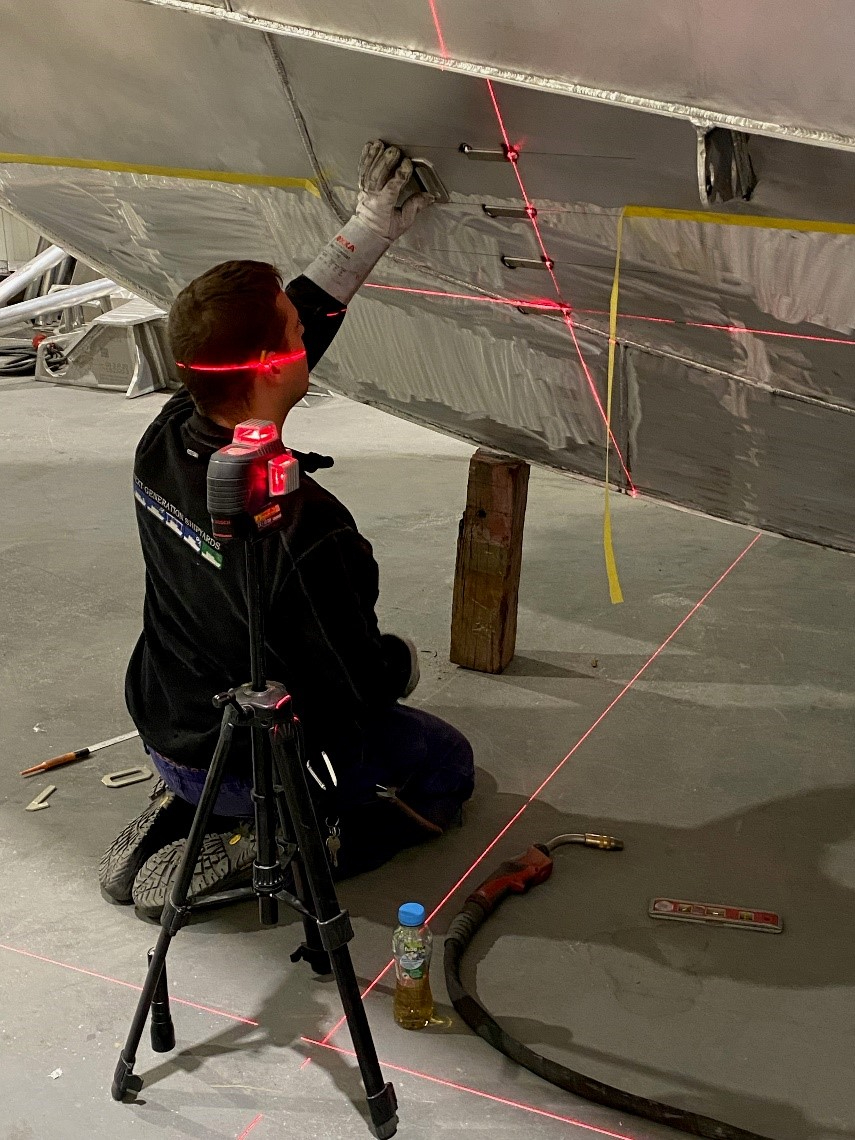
[(383, 173), (343, 265)]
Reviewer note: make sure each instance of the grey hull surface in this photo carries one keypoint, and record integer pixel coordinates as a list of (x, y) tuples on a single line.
[(154, 139)]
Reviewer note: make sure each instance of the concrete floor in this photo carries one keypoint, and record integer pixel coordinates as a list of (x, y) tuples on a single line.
[(727, 768)]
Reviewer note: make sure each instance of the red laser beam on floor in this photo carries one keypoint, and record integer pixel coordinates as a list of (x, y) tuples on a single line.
[(253, 1124), (128, 985), (547, 306), (478, 1092), (561, 764)]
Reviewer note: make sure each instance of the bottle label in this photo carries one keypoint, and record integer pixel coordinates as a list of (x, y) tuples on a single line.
[(412, 965)]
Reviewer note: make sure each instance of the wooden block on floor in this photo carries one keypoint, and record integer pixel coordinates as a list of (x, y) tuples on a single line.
[(489, 555)]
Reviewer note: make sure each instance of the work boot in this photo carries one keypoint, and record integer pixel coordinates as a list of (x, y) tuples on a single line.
[(167, 818), (224, 863)]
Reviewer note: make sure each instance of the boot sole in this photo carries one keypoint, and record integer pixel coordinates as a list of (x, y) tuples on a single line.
[(215, 873), (141, 839)]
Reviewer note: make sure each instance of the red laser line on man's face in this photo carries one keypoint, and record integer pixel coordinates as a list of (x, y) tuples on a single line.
[(266, 363), (477, 1092), (561, 764)]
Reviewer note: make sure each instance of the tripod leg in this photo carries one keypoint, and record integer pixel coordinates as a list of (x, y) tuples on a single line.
[(311, 950), (267, 877), (161, 1027), (174, 914), (334, 927)]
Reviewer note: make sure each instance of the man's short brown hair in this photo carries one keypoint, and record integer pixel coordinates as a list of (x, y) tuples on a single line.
[(227, 315)]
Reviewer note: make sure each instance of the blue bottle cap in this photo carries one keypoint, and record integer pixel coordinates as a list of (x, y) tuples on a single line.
[(411, 914)]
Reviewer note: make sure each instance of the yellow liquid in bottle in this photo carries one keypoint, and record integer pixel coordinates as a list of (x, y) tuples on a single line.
[(413, 1007), (412, 946)]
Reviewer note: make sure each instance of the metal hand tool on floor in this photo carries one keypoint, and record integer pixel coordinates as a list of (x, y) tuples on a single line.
[(80, 754)]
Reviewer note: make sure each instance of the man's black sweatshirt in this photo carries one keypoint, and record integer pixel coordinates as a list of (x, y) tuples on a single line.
[(322, 637)]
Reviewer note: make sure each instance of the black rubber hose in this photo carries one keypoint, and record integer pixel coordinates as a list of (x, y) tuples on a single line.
[(460, 934), (17, 361)]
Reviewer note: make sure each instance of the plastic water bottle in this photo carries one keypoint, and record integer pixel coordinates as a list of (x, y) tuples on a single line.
[(412, 944)]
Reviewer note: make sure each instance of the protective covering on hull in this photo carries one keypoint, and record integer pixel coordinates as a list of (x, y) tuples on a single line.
[(218, 140)]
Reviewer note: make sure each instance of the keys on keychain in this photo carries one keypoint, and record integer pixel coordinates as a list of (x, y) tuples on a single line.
[(333, 842)]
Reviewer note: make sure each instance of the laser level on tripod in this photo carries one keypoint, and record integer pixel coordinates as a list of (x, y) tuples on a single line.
[(246, 483)]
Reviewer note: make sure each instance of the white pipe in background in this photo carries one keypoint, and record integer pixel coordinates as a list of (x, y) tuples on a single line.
[(53, 302), (21, 278)]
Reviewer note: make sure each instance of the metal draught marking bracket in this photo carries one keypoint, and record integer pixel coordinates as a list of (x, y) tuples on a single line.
[(525, 213), (126, 776), (506, 154), (527, 262)]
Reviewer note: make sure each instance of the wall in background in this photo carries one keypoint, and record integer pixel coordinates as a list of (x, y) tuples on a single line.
[(17, 241)]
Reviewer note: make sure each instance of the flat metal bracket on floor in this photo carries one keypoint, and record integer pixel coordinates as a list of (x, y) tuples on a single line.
[(126, 776), (41, 799)]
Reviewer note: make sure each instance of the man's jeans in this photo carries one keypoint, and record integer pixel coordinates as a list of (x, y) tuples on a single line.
[(428, 761)]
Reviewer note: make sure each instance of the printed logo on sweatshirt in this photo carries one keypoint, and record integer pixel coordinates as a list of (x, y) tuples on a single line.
[(200, 542), (348, 245)]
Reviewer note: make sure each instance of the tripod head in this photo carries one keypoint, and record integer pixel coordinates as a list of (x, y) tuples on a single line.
[(246, 481)]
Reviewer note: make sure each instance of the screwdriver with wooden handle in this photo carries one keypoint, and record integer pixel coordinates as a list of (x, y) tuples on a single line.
[(80, 754)]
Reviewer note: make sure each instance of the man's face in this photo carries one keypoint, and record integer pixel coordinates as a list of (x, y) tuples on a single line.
[(293, 376)]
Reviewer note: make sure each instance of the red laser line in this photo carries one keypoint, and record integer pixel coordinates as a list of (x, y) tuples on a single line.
[(129, 985), (557, 307), (529, 205), (252, 1124), (568, 321), (548, 261), (547, 305), (443, 50), (560, 765), (266, 363), (478, 1092), (769, 332)]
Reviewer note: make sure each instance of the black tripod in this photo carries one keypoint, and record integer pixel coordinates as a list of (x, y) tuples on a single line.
[(281, 796)]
